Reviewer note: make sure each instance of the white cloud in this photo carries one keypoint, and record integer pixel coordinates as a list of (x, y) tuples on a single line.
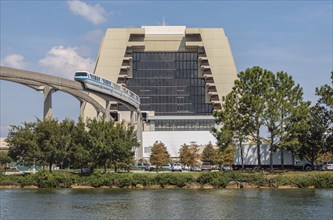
[(93, 13), (14, 60), (64, 61)]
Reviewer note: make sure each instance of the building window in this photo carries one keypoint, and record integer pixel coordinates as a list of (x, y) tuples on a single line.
[(168, 83)]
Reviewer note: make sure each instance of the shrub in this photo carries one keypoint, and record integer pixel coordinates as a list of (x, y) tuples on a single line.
[(178, 179), (64, 179), (217, 179), (143, 179), (44, 179)]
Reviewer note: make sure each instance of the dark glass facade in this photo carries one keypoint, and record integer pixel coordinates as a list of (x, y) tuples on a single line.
[(168, 83)]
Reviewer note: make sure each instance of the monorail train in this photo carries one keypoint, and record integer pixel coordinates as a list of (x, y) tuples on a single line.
[(97, 83)]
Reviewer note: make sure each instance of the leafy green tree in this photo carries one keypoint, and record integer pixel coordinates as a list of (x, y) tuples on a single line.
[(189, 155), (4, 159), (101, 135), (326, 100), (124, 143), (253, 84), (79, 151), (53, 139), (234, 122), (326, 93), (283, 100), (314, 138), (23, 145), (159, 155), (248, 102)]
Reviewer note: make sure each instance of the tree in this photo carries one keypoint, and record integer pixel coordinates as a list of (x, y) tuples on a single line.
[(314, 140), (101, 134), (124, 142), (159, 155), (189, 155), (79, 151), (228, 155), (4, 159), (53, 139), (326, 100), (247, 103), (326, 94), (234, 122), (23, 146), (209, 154), (283, 101)]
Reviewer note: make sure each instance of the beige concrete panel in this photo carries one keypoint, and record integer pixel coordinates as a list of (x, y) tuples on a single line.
[(192, 31), (220, 59)]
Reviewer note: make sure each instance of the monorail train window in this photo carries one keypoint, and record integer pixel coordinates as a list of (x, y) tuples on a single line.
[(106, 81), (80, 74)]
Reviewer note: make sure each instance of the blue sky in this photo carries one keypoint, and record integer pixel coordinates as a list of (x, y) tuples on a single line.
[(59, 37)]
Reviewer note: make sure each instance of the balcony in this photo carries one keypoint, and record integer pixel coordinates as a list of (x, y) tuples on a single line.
[(123, 73), (209, 81), (207, 74), (136, 44), (121, 81), (215, 99), (193, 44), (127, 58), (212, 90)]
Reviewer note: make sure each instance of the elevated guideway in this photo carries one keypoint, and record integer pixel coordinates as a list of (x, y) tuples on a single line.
[(49, 84)]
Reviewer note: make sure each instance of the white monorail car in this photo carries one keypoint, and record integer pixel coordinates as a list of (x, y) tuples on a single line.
[(97, 83)]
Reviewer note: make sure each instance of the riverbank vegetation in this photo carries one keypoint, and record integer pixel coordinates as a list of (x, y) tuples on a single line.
[(232, 179)]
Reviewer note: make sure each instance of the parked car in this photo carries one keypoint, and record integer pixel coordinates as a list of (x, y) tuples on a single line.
[(149, 167), (140, 165), (327, 165), (195, 169), (176, 167), (205, 166), (225, 167), (167, 166)]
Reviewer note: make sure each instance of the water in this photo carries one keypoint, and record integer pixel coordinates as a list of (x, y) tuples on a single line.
[(166, 204)]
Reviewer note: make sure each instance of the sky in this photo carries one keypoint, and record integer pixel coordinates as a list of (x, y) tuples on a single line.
[(60, 37)]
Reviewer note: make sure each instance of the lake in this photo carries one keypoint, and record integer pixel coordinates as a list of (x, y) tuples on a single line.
[(166, 204)]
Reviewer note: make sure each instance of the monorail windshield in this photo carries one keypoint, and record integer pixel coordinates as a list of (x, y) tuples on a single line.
[(81, 74)]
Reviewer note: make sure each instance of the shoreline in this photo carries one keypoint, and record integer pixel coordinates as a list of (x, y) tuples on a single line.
[(231, 185), (205, 180)]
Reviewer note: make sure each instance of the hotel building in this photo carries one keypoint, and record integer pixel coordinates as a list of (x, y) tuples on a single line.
[(180, 75)]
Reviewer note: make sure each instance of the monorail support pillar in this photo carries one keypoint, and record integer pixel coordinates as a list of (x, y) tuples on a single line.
[(47, 102), (107, 111), (139, 130), (82, 107), (133, 117)]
